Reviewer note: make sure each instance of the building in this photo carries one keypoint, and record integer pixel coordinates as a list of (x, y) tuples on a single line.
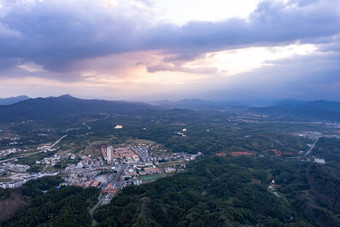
[(109, 154), (138, 181), (170, 170)]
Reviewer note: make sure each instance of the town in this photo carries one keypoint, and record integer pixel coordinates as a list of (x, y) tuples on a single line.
[(111, 172)]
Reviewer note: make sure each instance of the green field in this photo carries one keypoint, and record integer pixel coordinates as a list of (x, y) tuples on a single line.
[(150, 177)]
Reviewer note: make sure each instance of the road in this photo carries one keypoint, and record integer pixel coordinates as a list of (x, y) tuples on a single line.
[(115, 179), (102, 196), (58, 141), (86, 149), (107, 116), (88, 127), (311, 148), (45, 168), (21, 156), (25, 155)]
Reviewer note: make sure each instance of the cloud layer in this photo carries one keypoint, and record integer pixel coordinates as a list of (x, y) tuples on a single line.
[(58, 40)]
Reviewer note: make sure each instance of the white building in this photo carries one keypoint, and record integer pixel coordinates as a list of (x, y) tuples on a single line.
[(109, 154)]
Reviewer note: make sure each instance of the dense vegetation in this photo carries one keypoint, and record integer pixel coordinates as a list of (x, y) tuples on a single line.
[(33, 188), (51, 108), (224, 191), (213, 191), (329, 149), (65, 206), (207, 131), (4, 193)]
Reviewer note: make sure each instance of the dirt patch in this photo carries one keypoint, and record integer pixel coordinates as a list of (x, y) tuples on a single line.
[(278, 142), (235, 154), (276, 152), (12, 205), (288, 153)]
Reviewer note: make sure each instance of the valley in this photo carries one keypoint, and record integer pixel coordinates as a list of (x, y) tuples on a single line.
[(182, 162)]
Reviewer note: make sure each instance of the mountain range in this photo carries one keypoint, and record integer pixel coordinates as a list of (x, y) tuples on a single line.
[(65, 106), (12, 100), (319, 110), (198, 104)]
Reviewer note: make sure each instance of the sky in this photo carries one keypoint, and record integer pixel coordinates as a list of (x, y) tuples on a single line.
[(171, 49)]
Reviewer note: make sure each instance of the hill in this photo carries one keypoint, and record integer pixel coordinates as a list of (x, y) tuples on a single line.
[(230, 192), (319, 110), (198, 104), (12, 100), (65, 106)]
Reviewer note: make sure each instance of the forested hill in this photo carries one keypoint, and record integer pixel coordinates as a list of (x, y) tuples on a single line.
[(230, 192), (311, 111), (66, 106), (51, 206), (214, 191)]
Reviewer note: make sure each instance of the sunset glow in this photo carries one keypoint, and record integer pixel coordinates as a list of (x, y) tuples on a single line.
[(145, 49)]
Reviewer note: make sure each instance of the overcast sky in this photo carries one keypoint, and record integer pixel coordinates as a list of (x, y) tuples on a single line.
[(171, 49)]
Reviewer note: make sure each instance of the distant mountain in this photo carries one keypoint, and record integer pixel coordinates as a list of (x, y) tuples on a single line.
[(12, 100), (66, 106), (319, 110), (291, 102), (198, 104)]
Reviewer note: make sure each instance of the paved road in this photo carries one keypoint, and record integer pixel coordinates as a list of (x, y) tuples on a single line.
[(58, 141), (25, 155), (107, 116), (102, 196), (88, 127), (311, 148), (115, 179), (11, 159), (21, 156), (45, 168)]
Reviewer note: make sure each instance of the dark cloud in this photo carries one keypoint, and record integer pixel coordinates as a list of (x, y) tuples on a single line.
[(56, 33), (273, 23), (8, 63)]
